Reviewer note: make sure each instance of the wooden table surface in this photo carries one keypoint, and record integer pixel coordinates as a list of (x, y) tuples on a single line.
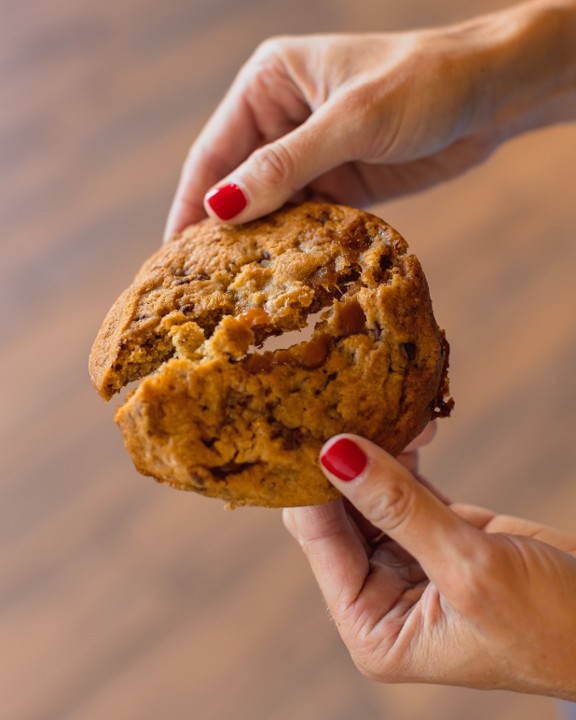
[(123, 599)]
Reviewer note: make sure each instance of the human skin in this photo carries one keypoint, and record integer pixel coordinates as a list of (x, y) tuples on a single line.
[(452, 594), (362, 118)]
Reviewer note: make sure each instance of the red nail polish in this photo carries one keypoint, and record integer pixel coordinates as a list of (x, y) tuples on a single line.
[(344, 459), (227, 201)]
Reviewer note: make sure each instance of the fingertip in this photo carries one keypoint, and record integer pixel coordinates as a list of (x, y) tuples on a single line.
[(290, 521), (182, 213), (233, 203), (343, 458), (424, 438), (170, 229), (171, 220), (226, 201)]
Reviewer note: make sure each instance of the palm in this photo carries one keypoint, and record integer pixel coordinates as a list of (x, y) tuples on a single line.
[(401, 626)]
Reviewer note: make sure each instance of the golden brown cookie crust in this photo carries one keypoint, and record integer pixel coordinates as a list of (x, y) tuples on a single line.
[(219, 414)]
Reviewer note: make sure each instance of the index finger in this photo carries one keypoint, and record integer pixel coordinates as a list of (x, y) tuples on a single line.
[(227, 139), (333, 547)]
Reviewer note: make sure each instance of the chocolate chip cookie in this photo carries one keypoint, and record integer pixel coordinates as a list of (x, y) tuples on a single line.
[(220, 411)]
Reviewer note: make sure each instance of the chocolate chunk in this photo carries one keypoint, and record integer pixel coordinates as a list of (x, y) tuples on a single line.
[(231, 468), (410, 350)]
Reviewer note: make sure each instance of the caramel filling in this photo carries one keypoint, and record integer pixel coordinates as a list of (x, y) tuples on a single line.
[(348, 319), (254, 316)]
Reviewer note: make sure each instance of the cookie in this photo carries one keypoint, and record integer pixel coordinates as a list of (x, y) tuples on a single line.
[(217, 410)]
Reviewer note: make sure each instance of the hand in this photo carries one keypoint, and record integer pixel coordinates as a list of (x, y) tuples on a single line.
[(367, 117), (421, 591), (350, 118)]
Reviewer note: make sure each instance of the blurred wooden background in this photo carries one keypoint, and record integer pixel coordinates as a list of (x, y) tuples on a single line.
[(123, 599)]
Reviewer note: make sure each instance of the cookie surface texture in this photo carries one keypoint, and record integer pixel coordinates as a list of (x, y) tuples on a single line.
[(218, 412)]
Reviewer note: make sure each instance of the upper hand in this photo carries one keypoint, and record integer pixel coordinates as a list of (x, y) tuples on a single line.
[(363, 118), (348, 118)]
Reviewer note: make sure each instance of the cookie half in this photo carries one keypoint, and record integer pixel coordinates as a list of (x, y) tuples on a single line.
[(218, 412)]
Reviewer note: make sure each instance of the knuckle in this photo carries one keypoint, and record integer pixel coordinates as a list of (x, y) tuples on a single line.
[(270, 45), (274, 165), (365, 668), (362, 108), (480, 577), (260, 55), (263, 67), (269, 51), (392, 506), (365, 102), (373, 666)]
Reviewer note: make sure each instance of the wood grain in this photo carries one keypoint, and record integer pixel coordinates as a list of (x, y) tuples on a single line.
[(123, 599)]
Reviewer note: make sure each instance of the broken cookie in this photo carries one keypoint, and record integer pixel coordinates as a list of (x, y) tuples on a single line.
[(218, 412)]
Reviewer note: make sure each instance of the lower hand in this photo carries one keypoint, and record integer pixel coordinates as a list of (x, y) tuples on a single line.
[(424, 591)]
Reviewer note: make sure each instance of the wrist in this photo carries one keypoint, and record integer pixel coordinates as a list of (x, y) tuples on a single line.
[(525, 66)]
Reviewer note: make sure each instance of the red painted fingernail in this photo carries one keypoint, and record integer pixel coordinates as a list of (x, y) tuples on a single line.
[(344, 459), (227, 201)]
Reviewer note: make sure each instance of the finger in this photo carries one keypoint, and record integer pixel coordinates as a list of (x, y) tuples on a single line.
[(333, 548), (480, 517), (434, 490), (274, 173), (491, 522), (410, 458), (425, 437), (200, 170), (360, 585), (518, 526), (227, 139), (396, 503), (362, 529)]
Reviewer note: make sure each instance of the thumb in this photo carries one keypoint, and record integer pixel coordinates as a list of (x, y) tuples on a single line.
[(275, 172), (386, 493)]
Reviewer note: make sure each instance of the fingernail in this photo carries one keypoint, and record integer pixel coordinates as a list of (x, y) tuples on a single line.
[(344, 459), (227, 201)]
